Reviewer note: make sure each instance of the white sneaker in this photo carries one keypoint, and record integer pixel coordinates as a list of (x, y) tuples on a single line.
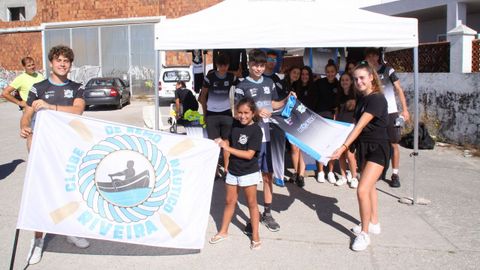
[(35, 253), (78, 241), (361, 242), (354, 183), (349, 176), (331, 178), (372, 228), (321, 177), (341, 181)]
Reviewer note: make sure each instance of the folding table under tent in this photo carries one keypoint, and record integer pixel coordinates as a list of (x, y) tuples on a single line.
[(288, 24)]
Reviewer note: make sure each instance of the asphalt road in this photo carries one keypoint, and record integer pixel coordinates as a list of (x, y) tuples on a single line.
[(315, 221)]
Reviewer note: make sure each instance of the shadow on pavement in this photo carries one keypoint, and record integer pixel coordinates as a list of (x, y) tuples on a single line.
[(8, 168), (103, 108), (239, 219), (59, 244), (388, 193), (325, 207)]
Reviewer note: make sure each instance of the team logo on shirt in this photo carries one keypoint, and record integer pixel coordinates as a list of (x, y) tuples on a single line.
[(266, 90), (301, 108), (243, 139), (239, 91), (253, 92), (68, 93), (49, 94), (215, 84), (226, 83)]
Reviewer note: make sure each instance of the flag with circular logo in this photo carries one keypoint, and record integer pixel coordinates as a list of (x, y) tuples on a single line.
[(104, 180)]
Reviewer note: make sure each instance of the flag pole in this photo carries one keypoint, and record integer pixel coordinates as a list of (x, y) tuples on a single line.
[(14, 251)]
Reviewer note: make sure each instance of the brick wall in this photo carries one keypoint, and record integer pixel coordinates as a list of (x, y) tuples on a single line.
[(185, 59), (67, 10), (17, 45)]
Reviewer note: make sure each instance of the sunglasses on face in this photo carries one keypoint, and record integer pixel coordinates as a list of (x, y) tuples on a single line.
[(270, 59)]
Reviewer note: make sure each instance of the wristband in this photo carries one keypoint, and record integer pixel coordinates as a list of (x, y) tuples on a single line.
[(346, 147)]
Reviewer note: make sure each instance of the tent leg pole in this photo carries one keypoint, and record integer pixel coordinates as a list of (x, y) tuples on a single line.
[(415, 119), (310, 58), (156, 82), (14, 251)]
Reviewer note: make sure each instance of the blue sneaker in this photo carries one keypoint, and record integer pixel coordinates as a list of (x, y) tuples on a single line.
[(279, 182)]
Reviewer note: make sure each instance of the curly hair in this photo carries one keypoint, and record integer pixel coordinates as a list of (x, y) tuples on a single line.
[(63, 50)]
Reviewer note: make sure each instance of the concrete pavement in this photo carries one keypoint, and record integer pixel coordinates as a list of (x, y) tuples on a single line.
[(315, 221)]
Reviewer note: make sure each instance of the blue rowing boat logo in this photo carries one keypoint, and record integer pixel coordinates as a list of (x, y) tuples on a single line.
[(124, 178), (131, 181)]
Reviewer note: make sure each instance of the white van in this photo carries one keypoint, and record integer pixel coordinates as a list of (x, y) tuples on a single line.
[(169, 76)]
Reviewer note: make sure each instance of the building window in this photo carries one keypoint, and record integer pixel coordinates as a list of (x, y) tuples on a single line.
[(17, 13)]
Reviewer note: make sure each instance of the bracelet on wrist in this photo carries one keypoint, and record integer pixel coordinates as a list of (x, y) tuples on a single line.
[(346, 147)]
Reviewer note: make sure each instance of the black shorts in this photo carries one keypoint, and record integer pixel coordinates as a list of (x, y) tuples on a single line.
[(219, 126), (197, 82), (394, 133), (377, 152)]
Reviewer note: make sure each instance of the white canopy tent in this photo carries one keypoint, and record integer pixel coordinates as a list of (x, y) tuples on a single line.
[(288, 24), (284, 24)]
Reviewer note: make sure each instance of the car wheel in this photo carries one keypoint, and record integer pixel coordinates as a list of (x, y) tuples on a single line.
[(128, 100), (120, 104)]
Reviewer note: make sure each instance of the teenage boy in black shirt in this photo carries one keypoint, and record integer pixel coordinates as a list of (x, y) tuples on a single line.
[(262, 90), (55, 93)]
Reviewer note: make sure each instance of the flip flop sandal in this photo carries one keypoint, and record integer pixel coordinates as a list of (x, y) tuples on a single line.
[(217, 239), (255, 245)]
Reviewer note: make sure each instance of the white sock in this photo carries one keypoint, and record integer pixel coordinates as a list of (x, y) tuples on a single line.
[(395, 171)]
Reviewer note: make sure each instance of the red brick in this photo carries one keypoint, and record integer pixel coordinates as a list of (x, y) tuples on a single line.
[(17, 45)]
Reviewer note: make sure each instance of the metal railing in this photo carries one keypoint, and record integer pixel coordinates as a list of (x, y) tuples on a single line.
[(433, 58), (476, 55)]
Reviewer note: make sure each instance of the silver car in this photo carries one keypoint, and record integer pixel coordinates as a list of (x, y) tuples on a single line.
[(107, 91)]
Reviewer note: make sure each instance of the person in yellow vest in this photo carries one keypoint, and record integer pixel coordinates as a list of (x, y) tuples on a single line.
[(23, 83)]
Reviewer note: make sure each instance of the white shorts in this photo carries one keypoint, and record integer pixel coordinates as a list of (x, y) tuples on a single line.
[(244, 180)]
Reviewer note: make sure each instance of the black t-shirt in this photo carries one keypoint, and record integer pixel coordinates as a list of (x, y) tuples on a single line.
[(376, 129), (306, 94), (281, 92), (237, 57), (327, 95), (187, 99), (387, 72), (57, 94), (245, 138), (218, 99), (262, 91), (343, 114)]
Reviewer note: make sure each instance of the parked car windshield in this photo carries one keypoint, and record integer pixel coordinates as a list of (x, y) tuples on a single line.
[(176, 75), (100, 82)]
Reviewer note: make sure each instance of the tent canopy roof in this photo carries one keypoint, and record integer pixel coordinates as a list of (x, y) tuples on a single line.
[(284, 24)]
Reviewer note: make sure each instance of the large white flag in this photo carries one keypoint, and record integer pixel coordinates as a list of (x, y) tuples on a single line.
[(104, 180)]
